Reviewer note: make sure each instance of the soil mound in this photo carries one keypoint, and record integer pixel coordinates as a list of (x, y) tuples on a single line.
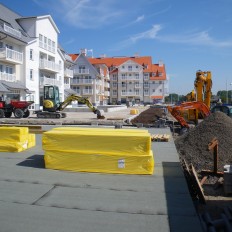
[(193, 146), (149, 116)]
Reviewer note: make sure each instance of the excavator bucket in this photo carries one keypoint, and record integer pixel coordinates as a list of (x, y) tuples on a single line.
[(100, 114)]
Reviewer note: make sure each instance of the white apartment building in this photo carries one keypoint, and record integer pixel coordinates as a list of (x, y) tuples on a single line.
[(30, 57), (135, 79), (89, 80)]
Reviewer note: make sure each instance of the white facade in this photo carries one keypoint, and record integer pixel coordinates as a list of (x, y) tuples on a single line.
[(90, 81), (31, 56)]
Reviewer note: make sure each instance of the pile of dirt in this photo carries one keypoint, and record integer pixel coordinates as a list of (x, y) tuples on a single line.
[(149, 116), (193, 146)]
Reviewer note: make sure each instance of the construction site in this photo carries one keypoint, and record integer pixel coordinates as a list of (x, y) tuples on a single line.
[(128, 168)]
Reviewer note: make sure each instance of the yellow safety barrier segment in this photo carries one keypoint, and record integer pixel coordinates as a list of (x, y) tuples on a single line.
[(134, 111), (98, 150), (15, 139)]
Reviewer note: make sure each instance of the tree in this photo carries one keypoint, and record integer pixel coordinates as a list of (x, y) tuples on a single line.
[(173, 98)]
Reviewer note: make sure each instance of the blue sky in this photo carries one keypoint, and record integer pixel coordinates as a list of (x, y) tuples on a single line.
[(186, 35)]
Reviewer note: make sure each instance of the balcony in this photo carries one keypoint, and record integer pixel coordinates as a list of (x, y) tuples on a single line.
[(11, 56), (87, 91), (12, 31), (68, 73), (81, 81), (132, 93), (107, 85), (49, 66), (130, 78), (107, 93), (67, 86), (80, 71), (7, 77), (49, 81)]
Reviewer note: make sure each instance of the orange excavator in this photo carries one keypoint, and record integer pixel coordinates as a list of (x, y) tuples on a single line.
[(198, 101), (198, 106)]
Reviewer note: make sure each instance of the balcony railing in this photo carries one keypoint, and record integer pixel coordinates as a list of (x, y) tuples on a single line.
[(130, 78), (49, 65), (67, 86), (107, 93), (107, 85), (12, 31), (68, 73), (87, 91), (49, 81), (7, 77), (81, 71), (81, 81), (130, 93), (11, 56)]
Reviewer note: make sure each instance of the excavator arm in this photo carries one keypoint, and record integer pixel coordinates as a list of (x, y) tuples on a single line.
[(176, 111), (203, 86), (83, 100)]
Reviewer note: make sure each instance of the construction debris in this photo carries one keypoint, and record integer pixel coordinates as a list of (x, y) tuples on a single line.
[(160, 137)]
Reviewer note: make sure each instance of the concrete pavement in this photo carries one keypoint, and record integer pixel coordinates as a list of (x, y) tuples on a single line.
[(33, 198)]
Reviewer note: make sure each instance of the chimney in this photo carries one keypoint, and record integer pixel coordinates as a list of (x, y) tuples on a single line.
[(83, 51), (161, 63)]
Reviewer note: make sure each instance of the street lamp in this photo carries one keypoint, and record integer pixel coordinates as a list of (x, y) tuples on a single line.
[(227, 92)]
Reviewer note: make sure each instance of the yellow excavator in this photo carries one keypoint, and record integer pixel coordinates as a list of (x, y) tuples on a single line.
[(52, 106)]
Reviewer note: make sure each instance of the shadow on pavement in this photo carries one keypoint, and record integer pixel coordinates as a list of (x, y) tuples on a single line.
[(35, 161)]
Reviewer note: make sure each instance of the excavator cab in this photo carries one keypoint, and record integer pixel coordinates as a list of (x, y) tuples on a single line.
[(51, 98)]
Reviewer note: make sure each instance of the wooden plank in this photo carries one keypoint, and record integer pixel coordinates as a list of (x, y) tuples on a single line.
[(197, 184)]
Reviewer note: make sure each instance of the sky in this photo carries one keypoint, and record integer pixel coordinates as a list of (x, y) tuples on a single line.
[(186, 35)]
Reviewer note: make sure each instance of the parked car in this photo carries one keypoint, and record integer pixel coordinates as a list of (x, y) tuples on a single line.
[(227, 109)]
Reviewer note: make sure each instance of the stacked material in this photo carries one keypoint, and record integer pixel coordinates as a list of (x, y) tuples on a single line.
[(15, 139), (104, 150)]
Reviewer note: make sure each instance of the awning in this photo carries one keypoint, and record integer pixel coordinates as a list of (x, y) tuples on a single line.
[(14, 85), (69, 92), (3, 89), (156, 97)]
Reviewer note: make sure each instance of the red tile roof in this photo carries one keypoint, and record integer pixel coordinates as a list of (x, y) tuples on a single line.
[(116, 61)]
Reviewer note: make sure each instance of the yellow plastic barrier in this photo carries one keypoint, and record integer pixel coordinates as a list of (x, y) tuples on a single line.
[(134, 111), (98, 150), (15, 139)]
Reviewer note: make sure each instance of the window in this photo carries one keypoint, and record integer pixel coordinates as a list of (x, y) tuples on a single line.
[(160, 74), (114, 77), (146, 93), (45, 42), (160, 82), (1, 68), (40, 40), (1, 44), (123, 67), (114, 92), (160, 90), (129, 68), (114, 84), (136, 76), (49, 45), (31, 74), (31, 54), (9, 70), (53, 46)]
